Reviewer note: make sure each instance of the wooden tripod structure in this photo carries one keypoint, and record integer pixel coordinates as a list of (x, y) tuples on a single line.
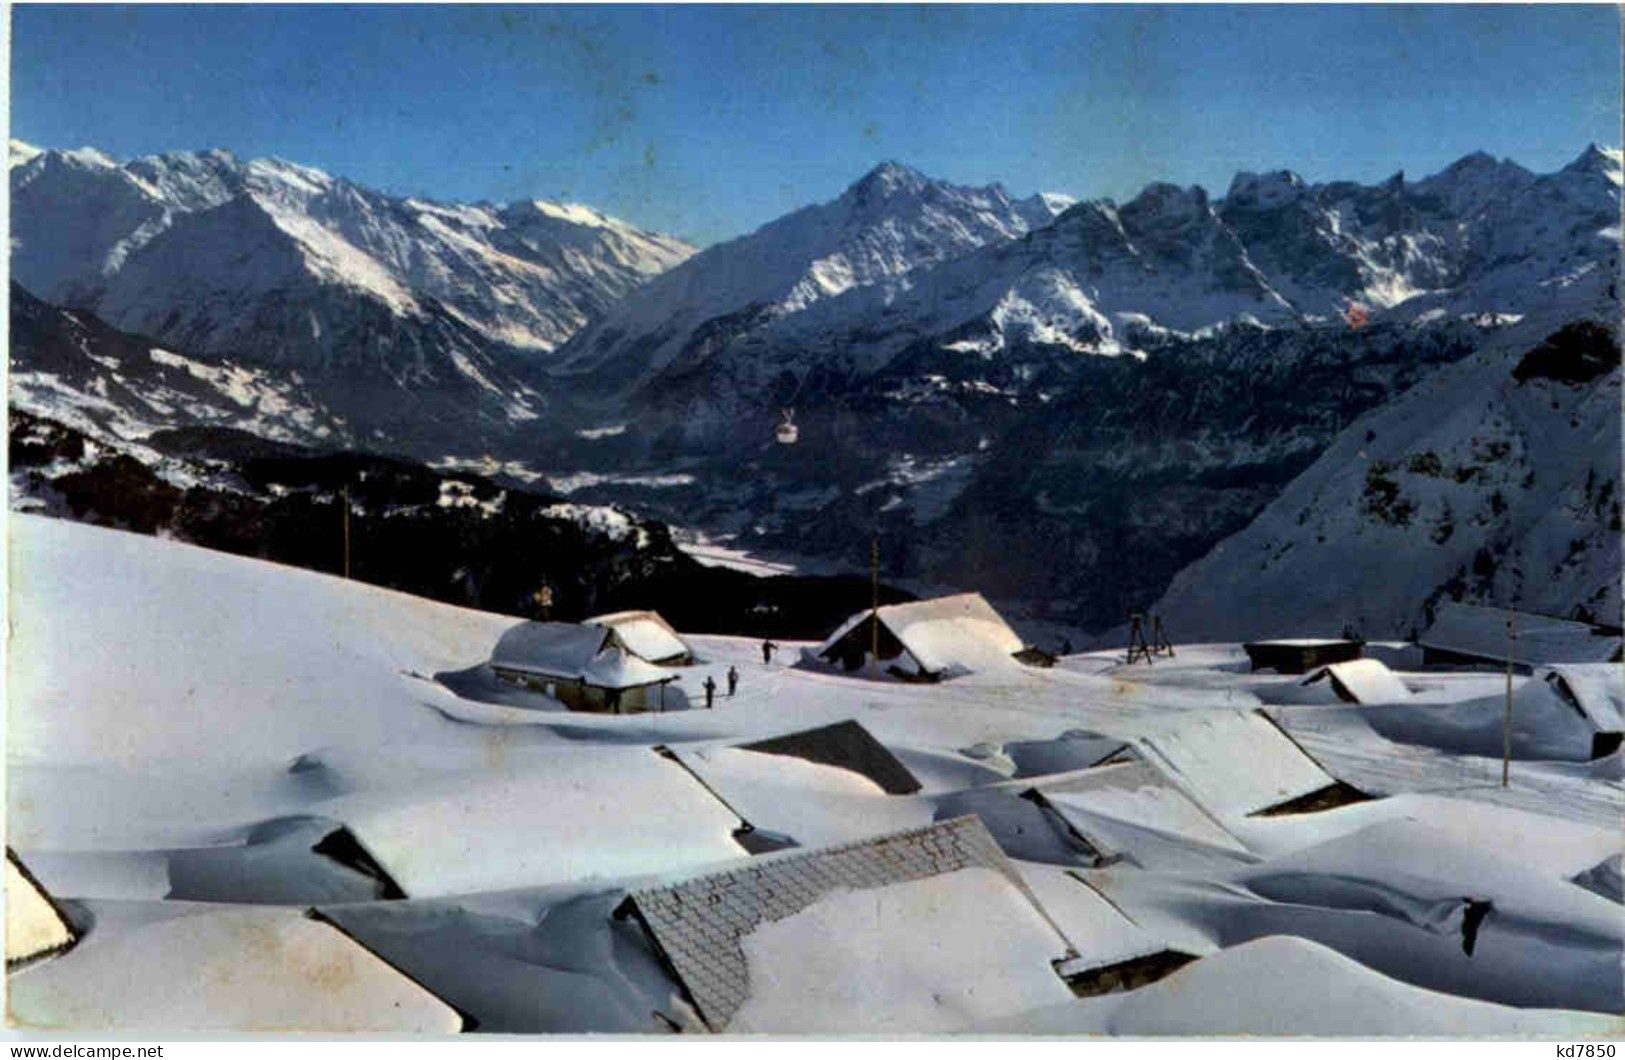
[(1160, 644), (1139, 647)]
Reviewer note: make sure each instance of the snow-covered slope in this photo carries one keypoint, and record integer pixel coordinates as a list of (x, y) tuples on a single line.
[(451, 394), (891, 221), (185, 625), (1282, 985), (1495, 480), (71, 367), (272, 259)]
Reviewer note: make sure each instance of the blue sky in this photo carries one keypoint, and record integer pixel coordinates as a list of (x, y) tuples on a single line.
[(709, 121)]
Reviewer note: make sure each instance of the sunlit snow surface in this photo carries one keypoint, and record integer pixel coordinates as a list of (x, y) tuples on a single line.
[(180, 719)]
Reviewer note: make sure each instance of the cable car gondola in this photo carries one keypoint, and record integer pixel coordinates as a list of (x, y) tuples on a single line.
[(787, 432)]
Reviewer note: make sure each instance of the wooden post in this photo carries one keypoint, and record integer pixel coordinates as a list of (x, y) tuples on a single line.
[(874, 599), (1506, 728), (346, 529)]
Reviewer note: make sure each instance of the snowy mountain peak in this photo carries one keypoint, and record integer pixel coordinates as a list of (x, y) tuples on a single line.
[(1472, 182), (1599, 161), (1482, 165), (1265, 191), (77, 157), (573, 213), (888, 223), (889, 178), (1477, 161), (1089, 211), (1043, 208), (1169, 200), (305, 178)]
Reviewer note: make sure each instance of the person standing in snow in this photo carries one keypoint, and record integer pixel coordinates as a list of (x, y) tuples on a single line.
[(710, 687), (767, 652), (733, 681)]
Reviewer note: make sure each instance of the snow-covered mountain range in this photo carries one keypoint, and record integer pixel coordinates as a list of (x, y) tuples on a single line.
[(1074, 414), (269, 262), (390, 300), (1102, 278), (1085, 380), (889, 223), (132, 240)]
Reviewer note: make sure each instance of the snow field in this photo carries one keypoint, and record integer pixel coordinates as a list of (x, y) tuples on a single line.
[(186, 723)]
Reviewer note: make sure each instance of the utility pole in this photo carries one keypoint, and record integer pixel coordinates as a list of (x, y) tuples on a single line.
[(874, 599), (346, 529), (1506, 728)]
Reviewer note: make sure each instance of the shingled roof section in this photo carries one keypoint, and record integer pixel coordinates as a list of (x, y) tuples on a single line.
[(845, 745), (697, 924)]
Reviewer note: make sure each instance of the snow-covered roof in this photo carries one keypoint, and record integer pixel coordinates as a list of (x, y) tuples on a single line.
[(1072, 750), (35, 926), (1597, 689), (645, 634), (844, 745), (571, 652), (196, 967), (804, 801), (1425, 869), (555, 649), (1098, 931), (1546, 723), (1232, 762), (739, 942), (1362, 681), (615, 668), (529, 961), (1481, 632), (1300, 642), (944, 634), (928, 955), (1112, 806), (539, 818)]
